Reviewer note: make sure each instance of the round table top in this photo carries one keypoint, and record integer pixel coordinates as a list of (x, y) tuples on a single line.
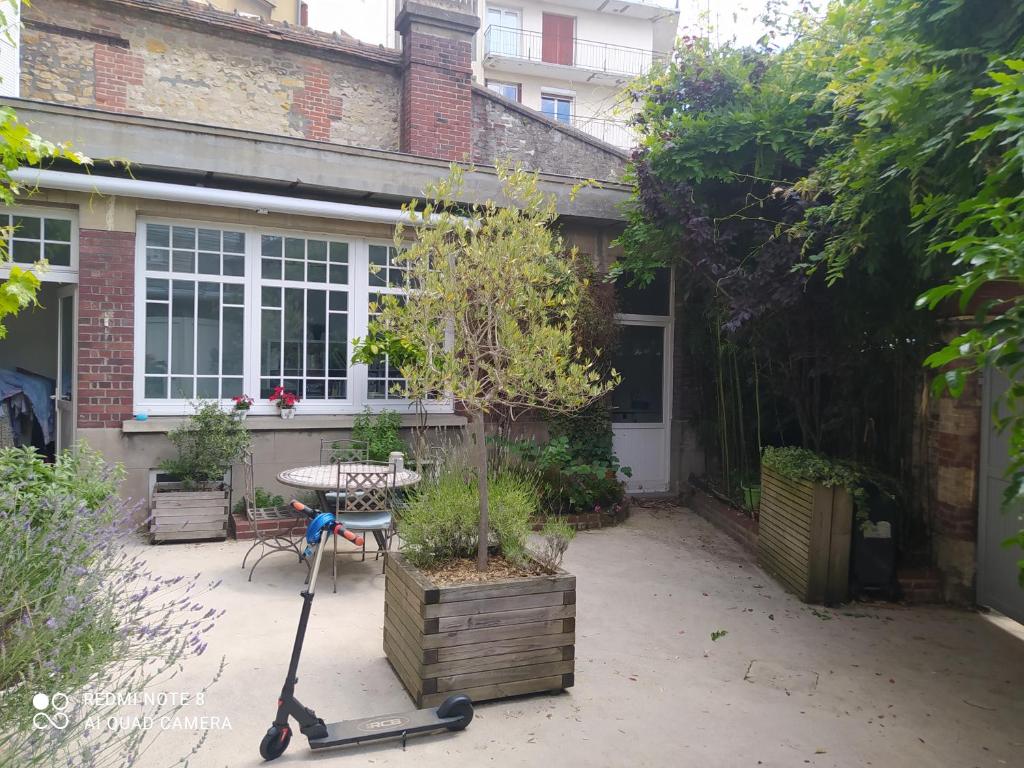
[(324, 477)]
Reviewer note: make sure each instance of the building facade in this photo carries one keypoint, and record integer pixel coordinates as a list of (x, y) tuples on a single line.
[(246, 176), (571, 59), (290, 11)]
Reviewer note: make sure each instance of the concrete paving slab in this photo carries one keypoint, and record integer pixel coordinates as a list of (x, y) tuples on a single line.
[(787, 685)]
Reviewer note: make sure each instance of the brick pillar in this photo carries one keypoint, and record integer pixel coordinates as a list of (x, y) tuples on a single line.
[(106, 323), (115, 69), (953, 448), (437, 96), (314, 105)]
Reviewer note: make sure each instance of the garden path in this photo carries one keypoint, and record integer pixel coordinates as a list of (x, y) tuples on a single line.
[(784, 684)]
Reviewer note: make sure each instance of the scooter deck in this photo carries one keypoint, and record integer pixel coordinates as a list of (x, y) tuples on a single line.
[(382, 727)]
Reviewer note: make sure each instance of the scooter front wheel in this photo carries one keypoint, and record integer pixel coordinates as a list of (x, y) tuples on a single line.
[(275, 742), (458, 706)]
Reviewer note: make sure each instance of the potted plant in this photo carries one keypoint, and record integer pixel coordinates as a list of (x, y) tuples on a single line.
[(192, 501), (379, 432), (242, 405), (502, 637), (285, 402), (806, 522), (491, 324)]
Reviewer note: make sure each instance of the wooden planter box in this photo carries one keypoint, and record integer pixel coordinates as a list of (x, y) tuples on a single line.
[(488, 641), (179, 515), (804, 537)]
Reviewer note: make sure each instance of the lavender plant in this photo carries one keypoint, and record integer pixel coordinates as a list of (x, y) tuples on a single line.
[(86, 627)]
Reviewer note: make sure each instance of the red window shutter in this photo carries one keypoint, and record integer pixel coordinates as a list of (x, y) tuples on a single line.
[(557, 33)]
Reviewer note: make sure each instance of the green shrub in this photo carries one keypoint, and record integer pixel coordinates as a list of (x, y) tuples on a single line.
[(380, 433), (264, 499), (803, 464), (208, 443), (571, 475), (556, 536), (441, 520), (79, 608), (29, 483)]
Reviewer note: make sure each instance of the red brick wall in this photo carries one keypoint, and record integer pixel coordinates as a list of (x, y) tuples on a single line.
[(437, 96), (315, 105), (115, 70), (106, 319)]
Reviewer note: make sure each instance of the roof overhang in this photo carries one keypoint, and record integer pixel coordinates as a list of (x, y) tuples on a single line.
[(185, 153)]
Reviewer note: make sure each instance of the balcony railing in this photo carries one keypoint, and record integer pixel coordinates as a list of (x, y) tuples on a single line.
[(585, 54), (614, 132)]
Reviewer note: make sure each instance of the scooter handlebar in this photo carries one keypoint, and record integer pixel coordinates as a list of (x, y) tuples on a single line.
[(345, 533), (298, 506)]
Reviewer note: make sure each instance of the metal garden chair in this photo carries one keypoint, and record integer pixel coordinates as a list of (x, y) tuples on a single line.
[(364, 503), (272, 526)]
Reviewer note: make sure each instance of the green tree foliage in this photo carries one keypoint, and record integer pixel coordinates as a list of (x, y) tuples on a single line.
[(812, 193), (491, 313)]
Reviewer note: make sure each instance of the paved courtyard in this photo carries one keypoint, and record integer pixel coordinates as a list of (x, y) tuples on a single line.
[(785, 684)]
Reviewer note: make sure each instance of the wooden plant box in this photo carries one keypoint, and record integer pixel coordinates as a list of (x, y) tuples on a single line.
[(804, 537), (488, 641), (179, 515)]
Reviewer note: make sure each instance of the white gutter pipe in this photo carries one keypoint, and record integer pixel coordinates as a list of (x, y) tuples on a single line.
[(225, 198)]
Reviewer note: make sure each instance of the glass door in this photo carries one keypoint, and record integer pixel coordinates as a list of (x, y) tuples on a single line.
[(641, 404), (504, 30), (64, 397)]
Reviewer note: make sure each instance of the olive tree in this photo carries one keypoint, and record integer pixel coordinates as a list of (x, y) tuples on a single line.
[(489, 313)]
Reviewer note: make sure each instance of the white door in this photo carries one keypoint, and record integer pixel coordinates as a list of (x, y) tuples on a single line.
[(66, 373), (998, 585), (641, 404)]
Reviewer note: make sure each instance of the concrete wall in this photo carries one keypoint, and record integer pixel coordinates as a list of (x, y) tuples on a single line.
[(502, 130), (125, 58), (590, 99)]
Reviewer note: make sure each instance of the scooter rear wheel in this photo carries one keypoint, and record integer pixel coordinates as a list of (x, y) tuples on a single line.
[(459, 706), (275, 742)]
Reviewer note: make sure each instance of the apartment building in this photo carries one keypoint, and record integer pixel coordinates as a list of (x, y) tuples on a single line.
[(292, 11), (571, 59)]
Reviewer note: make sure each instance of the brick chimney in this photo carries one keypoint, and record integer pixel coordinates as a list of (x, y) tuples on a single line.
[(437, 97)]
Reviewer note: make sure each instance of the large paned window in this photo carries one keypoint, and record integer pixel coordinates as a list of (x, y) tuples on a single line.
[(230, 310), (31, 236), (195, 298), (304, 328)]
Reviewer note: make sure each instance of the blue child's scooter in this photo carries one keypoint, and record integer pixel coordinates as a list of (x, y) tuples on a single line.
[(453, 714)]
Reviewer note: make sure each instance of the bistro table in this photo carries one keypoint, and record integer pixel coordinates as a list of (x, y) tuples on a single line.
[(324, 478)]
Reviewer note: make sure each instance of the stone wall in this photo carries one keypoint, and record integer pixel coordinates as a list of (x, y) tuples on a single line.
[(187, 62), (504, 130)]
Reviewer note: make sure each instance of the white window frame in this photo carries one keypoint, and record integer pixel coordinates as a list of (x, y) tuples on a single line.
[(53, 273), (559, 95), (518, 27), (505, 83), (358, 321), (252, 352)]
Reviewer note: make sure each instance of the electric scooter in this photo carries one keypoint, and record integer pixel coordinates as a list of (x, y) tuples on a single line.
[(453, 714)]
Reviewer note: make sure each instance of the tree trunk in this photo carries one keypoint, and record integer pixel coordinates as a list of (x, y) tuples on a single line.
[(480, 454)]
